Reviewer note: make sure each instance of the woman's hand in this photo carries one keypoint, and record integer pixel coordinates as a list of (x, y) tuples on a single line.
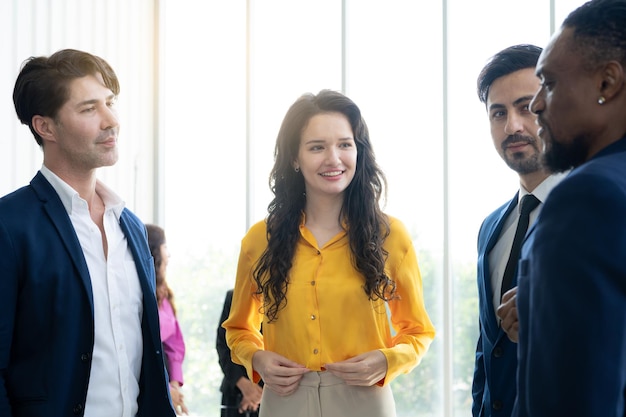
[(364, 370), (177, 399), (279, 374)]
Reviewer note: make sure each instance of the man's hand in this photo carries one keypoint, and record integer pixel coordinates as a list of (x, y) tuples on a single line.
[(507, 312), (251, 393), (278, 373), (364, 370)]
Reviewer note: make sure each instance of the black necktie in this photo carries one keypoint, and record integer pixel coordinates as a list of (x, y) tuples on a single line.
[(528, 204)]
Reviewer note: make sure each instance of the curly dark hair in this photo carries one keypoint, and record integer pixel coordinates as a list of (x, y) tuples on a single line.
[(367, 226)]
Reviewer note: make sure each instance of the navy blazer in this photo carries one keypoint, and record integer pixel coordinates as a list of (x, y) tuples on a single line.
[(493, 387), (572, 295), (46, 310)]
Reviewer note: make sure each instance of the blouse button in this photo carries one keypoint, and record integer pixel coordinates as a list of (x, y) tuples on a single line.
[(312, 316), (315, 351), (312, 282), (318, 252)]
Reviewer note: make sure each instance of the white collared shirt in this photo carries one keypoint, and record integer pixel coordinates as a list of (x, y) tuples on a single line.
[(118, 303), (499, 255)]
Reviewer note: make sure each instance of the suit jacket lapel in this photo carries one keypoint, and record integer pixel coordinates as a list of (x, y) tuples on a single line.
[(138, 245), (54, 209), (491, 324)]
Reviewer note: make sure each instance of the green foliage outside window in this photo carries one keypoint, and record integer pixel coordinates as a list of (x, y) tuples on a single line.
[(200, 284)]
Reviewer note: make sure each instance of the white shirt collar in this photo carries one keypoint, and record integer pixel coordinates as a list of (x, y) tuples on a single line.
[(68, 195), (543, 189)]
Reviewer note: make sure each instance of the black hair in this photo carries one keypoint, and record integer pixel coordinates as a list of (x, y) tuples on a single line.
[(599, 29), (505, 62)]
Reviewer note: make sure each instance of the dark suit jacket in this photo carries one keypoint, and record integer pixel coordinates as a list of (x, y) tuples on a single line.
[(493, 388), (46, 310), (572, 295), (232, 371)]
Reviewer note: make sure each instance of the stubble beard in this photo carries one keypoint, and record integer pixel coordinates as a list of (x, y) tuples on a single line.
[(518, 161), (522, 165)]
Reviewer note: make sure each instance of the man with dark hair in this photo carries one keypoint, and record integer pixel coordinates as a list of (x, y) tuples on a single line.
[(79, 328), (506, 85), (572, 272)]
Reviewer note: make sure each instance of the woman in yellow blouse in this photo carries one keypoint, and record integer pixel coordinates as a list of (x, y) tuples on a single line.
[(328, 274)]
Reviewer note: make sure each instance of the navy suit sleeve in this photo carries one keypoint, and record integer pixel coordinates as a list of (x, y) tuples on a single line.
[(478, 380), (478, 383), (576, 269), (8, 299)]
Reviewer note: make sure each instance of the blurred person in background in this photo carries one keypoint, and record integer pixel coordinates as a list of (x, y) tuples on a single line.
[(240, 396), (171, 335)]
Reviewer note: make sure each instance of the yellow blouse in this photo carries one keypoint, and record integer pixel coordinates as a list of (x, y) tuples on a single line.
[(328, 317)]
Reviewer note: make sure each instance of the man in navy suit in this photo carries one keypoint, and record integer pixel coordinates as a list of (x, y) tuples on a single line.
[(505, 85), (79, 330), (572, 271)]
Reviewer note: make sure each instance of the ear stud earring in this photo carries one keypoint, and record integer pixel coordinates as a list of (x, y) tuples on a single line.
[(601, 100)]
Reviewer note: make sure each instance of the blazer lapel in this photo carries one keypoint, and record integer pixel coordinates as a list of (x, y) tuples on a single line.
[(138, 245), (491, 323), (57, 214)]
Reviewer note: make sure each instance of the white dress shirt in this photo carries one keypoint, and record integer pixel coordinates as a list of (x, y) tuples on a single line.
[(118, 303), (499, 255)]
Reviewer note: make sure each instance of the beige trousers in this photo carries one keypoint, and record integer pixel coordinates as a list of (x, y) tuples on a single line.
[(321, 394)]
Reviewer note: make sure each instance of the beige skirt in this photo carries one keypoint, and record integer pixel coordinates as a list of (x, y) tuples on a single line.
[(321, 394)]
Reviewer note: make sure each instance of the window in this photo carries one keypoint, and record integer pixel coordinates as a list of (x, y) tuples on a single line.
[(412, 68), (208, 82)]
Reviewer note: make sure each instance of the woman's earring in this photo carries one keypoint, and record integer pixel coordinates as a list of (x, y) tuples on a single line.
[(601, 100), (297, 169)]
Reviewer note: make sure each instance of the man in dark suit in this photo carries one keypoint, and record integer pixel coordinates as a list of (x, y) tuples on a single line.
[(240, 396), (79, 330), (572, 271), (506, 85)]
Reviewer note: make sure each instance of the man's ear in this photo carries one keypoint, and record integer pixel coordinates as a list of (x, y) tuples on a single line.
[(612, 80), (44, 126)]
